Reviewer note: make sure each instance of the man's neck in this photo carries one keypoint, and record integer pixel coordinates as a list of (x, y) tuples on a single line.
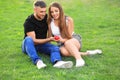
[(37, 17)]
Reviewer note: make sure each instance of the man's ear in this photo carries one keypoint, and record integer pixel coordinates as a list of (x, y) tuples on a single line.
[(35, 9)]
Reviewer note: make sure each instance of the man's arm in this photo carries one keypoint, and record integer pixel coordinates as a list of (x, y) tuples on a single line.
[(38, 41)]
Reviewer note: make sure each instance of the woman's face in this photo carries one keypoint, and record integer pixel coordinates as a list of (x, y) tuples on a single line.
[(55, 12)]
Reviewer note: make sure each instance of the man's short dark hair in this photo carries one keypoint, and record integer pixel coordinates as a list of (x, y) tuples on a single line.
[(39, 3)]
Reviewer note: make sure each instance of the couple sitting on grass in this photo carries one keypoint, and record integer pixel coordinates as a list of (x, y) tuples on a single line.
[(40, 29)]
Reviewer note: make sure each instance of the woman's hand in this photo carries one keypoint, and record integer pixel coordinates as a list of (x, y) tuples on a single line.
[(59, 39), (62, 40), (56, 37)]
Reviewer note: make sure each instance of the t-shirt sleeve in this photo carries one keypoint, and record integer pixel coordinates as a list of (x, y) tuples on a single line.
[(28, 27)]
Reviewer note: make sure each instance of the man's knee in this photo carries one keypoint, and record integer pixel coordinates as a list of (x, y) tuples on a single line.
[(55, 49), (28, 39)]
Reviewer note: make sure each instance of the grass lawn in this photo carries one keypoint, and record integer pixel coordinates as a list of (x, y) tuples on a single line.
[(98, 21)]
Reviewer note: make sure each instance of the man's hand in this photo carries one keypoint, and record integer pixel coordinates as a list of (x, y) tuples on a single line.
[(51, 38)]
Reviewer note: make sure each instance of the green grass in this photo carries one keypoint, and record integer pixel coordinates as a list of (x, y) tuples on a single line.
[(98, 21)]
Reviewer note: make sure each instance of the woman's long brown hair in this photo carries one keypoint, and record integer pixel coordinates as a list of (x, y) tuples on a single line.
[(62, 20)]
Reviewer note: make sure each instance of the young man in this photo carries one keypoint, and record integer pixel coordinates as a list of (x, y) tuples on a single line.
[(35, 39)]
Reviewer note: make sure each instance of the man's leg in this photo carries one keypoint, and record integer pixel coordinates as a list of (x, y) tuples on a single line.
[(54, 55), (48, 48), (29, 48)]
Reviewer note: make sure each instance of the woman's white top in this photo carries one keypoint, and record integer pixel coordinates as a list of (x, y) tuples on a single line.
[(55, 29)]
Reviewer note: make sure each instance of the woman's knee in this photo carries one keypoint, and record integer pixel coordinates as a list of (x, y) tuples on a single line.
[(64, 52), (68, 42)]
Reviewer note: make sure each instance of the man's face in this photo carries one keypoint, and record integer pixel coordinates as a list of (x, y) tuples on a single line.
[(40, 12)]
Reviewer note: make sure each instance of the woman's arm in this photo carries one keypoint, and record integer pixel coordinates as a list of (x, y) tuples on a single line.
[(70, 25)]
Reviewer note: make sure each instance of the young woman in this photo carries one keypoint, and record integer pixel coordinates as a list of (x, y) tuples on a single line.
[(63, 26)]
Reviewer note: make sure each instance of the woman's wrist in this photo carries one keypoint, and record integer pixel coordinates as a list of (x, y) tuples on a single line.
[(63, 40)]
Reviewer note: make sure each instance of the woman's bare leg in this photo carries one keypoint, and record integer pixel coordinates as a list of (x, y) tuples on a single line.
[(73, 46), (83, 53), (64, 51)]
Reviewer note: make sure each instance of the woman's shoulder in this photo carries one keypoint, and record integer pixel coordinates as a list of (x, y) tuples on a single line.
[(69, 19)]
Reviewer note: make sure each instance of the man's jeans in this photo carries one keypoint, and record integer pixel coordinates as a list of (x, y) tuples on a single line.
[(31, 50)]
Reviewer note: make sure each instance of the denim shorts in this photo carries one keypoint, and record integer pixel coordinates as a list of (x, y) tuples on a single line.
[(76, 36)]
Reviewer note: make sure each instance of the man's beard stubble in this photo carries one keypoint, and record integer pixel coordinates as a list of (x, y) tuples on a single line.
[(40, 18)]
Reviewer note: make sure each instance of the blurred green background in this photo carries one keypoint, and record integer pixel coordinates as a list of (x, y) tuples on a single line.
[(98, 22)]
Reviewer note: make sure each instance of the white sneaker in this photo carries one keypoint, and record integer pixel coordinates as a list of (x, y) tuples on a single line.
[(40, 64), (63, 64), (80, 63), (92, 52)]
